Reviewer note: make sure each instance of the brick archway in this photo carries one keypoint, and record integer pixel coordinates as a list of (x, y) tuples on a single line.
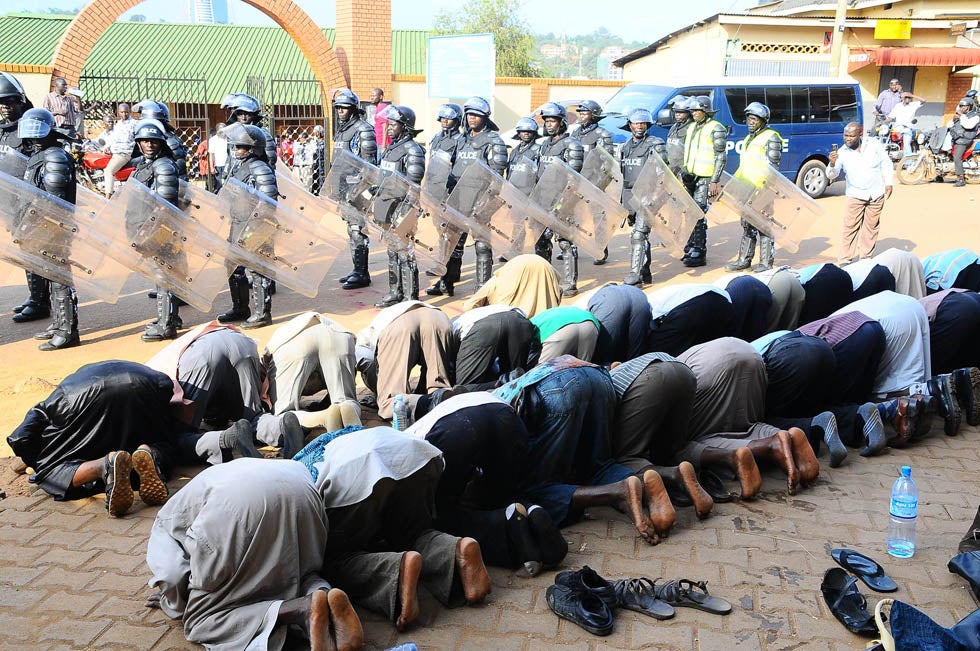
[(86, 28)]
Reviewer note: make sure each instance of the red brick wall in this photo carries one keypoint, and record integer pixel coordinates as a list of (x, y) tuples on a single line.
[(363, 44), (956, 88)]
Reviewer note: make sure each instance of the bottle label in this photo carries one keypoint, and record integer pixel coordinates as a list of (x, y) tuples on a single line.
[(904, 507)]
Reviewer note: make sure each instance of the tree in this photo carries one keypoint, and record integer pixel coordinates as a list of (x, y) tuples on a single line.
[(511, 36)]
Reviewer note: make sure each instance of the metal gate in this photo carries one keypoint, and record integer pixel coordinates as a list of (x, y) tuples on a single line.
[(296, 119), (186, 98)]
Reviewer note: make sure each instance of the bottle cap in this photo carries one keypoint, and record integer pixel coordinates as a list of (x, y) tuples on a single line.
[(906, 471)]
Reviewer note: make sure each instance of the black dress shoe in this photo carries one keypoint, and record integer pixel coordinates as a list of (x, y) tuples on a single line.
[(966, 384), (31, 311), (580, 607), (941, 387), (588, 580), (971, 541)]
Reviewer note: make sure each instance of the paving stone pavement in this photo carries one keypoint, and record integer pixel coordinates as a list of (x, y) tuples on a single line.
[(71, 577)]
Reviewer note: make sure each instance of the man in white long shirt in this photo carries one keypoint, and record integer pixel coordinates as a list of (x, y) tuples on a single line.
[(903, 117), (121, 142), (218, 150), (869, 183)]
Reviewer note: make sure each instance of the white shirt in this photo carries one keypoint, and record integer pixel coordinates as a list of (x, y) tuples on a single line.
[(662, 301), (218, 147), (868, 169), (904, 113), (122, 138)]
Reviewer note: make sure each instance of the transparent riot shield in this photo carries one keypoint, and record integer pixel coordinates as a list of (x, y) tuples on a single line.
[(762, 196), (604, 172), (523, 174), (396, 212), (579, 211), (663, 202), (276, 241), (13, 162), (437, 232), (351, 183), (437, 173), (503, 214), (166, 245), (322, 211), (88, 203), (41, 233)]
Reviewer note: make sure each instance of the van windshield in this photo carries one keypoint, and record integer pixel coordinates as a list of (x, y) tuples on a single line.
[(636, 96)]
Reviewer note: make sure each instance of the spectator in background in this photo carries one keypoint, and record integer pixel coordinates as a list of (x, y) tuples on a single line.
[(319, 166), (218, 150), (204, 168), (303, 160), (888, 99), (376, 113), (903, 116), (76, 95), (102, 140), (62, 107), (121, 146), (286, 149)]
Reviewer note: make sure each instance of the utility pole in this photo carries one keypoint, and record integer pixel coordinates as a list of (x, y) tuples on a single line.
[(837, 38)]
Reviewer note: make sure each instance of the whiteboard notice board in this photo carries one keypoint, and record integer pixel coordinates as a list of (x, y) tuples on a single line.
[(461, 66)]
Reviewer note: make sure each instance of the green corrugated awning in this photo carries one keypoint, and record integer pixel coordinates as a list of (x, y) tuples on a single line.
[(230, 58)]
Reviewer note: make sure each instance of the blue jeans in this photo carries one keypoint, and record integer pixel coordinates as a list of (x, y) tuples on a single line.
[(569, 416)]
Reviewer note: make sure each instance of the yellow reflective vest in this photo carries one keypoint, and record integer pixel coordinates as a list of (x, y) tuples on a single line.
[(699, 148), (754, 163)]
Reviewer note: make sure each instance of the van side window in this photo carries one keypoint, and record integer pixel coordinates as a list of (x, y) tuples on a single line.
[(843, 104), (778, 101), (736, 103), (801, 105), (819, 104)]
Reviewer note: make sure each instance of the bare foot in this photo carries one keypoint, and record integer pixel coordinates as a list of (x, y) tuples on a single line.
[(472, 571), (662, 513), (318, 622), (806, 460), (408, 589), (631, 503), (748, 473), (347, 631), (689, 478), (781, 451)]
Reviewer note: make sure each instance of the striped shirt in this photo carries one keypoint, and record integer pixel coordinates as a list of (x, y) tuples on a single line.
[(836, 328), (626, 373)]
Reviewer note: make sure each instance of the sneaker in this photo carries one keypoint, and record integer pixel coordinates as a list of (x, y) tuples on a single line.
[(153, 487), (118, 490)]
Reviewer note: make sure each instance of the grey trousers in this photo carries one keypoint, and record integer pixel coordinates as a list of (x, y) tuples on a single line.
[(576, 339), (318, 358)]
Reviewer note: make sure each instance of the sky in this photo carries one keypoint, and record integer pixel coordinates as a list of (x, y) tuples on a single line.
[(575, 16)]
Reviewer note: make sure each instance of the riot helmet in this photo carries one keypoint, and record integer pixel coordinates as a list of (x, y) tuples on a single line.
[(347, 105), (555, 118), (150, 109), (242, 106), (13, 99), (402, 115), (592, 108), (672, 104), (967, 102), (479, 107), (150, 129), (526, 125), (36, 123), (638, 121), (757, 110), (702, 103), (246, 135), (450, 112)]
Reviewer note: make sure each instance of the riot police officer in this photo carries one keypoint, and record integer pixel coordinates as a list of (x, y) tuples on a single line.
[(635, 153), (445, 139), (589, 133), (355, 135), (157, 170), (245, 109), (680, 107), (761, 146), (479, 141), (52, 169), (406, 157), (520, 171), (250, 166), (150, 109), (13, 103), (559, 145), (705, 155)]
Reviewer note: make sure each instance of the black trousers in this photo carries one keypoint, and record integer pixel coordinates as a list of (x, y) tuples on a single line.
[(953, 334), (624, 323), (799, 371), (751, 300), (497, 344), (856, 361), (703, 318), (879, 280), (826, 292)]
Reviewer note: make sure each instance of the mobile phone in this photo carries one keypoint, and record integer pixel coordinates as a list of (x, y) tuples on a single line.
[(833, 147)]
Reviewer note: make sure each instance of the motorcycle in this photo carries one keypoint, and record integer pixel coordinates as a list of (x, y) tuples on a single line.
[(934, 160), (90, 167), (891, 137)]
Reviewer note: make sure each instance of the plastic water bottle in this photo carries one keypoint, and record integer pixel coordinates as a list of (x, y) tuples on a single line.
[(903, 510), (399, 420)]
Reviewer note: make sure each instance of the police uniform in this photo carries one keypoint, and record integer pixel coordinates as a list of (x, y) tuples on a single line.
[(635, 153), (705, 156), (759, 150), (567, 149)]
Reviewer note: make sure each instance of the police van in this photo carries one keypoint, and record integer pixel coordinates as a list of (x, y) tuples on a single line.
[(810, 115)]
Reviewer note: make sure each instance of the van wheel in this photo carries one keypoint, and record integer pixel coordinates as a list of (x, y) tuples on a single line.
[(812, 178)]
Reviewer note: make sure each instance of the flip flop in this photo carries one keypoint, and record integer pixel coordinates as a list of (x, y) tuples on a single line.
[(638, 595), (714, 486), (685, 593), (846, 602), (865, 569)]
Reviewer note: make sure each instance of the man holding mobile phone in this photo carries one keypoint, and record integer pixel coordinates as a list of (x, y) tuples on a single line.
[(868, 183)]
